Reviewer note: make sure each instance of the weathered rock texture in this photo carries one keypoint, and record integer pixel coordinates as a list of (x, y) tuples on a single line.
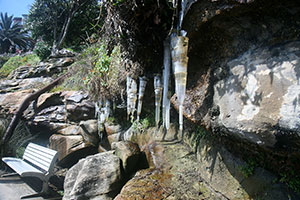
[(243, 71), (129, 153), (47, 69), (146, 185), (258, 98), (95, 177)]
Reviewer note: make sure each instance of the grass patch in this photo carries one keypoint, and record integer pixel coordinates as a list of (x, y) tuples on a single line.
[(17, 61)]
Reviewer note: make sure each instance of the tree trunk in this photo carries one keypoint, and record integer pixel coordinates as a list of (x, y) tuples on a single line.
[(74, 8), (24, 105), (64, 31)]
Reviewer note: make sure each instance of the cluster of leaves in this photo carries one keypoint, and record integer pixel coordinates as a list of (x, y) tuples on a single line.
[(141, 126), (17, 61), (103, 78), (42, 49), (100, 65), (50, 20), (12, 35)]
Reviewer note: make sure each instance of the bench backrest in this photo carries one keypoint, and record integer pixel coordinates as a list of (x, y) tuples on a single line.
[(40, 156)]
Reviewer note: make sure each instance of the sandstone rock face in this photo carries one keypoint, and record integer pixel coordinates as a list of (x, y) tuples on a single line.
[(225, 173), (70, 130), (258, 100), (146, 185), (79, 107), (7, 86), (95, 177), (10, 101), (253, 97), (112, 128), (113, 138), (129, 153), (66, 144), (90, 131), (46, 69)]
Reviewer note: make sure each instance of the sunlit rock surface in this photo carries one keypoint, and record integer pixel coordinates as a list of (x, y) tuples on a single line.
[(46, 69), (129, 153), (258, 99), (95, 177)]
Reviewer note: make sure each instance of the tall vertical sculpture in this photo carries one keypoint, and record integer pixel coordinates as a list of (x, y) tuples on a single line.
[(166, 77), (158, 95), (131, 97), (142, 86), (179, 49)]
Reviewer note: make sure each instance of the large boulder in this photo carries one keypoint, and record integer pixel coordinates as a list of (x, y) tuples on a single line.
[(129, 153), (95, 177), (146, 184), (55, 111), (112, 128), (66, 144), (79, 108), (9, 102), (242, 71), (90, 131), (62, 53)]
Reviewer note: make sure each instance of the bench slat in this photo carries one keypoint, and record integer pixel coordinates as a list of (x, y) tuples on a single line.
[(36, 161), (40, 156), (42, 149), (46, 157)]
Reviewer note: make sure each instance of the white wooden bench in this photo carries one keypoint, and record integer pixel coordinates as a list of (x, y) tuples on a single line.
[(38, 161)]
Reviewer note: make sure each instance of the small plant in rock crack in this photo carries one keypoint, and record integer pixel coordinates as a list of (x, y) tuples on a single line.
[(248, 169)]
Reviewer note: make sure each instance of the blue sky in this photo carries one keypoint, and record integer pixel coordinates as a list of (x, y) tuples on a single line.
[(15, 7)]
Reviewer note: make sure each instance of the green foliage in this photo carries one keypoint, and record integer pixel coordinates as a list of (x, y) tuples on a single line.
[(47, 20), (12, 35), (105, 73), (3, 60), (17, 61), (96, 71), (292, 179), (100, 65), (42, 49), (142, 125), (248, 169)]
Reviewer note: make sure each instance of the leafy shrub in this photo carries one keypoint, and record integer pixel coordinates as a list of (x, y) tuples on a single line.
[(3, 60), (42, 49), (17, 61), (105, 74)]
